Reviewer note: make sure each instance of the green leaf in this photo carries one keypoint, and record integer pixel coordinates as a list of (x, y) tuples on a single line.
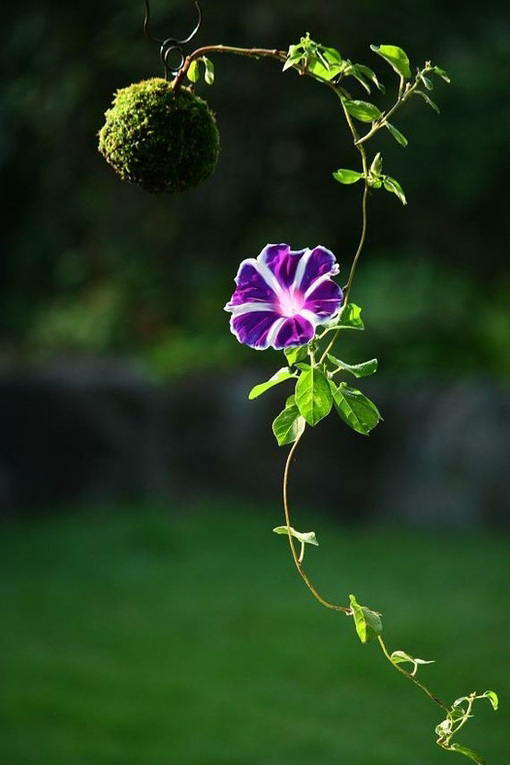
[(355, 409), (369, 74), (289, 424), (376, 166), (428, 83), (362, 110), (283, 374), (401, 657), (292, 60), (390, 184), (325, 63), (364, 369), (441, 73), (395, 57), (295, 354), (397, 135), (460, 708), (492, 697), (320, 61), (333, 56), (443, 731), (467, 753), (347, 176), (368, 623), (427, 100), (313, 395), (359, 77), (350, 317), (209, 70), (193, 73), (308, 537)]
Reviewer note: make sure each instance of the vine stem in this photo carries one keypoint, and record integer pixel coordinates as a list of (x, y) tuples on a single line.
[(280, 55), (364, 217), (411, 677), (295, 556), (403, 94)]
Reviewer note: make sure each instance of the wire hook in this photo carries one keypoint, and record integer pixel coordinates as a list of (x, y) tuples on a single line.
[(171, 44)]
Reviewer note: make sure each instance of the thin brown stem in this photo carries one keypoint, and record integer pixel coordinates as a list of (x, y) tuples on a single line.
[(295, 556), (413, 679), (206, 49), (403, 94), (364, 222)]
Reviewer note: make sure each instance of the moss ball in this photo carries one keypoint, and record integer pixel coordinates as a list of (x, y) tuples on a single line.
[(164, 140)]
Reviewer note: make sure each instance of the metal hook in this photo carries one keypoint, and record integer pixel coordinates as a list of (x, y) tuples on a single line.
[(170, 44)]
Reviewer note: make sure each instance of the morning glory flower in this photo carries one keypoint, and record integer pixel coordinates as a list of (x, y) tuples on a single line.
[(283, 295)]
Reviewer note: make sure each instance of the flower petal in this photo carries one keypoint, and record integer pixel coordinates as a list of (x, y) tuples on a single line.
[(323, 298), (314, 264), (282, 262), (295, 331), (251, 286), (255, 328)]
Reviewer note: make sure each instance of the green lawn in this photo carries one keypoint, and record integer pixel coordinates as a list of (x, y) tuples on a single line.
[(185, 636)]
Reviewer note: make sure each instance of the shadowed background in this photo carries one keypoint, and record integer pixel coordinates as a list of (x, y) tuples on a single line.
[(120, 383)]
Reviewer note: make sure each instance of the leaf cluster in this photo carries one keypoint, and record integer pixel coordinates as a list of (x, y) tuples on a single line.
[(326, 64), (317, 390), (456, 718)]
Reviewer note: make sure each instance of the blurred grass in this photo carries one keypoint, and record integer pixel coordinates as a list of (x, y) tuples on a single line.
[(184, 636)]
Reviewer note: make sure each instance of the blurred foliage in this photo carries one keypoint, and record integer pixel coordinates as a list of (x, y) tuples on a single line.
[(92, 264)]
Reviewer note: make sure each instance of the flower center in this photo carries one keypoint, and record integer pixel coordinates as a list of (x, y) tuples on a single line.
[(290, 303)]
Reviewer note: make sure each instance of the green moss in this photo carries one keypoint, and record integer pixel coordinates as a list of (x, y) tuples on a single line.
[(164, 140)]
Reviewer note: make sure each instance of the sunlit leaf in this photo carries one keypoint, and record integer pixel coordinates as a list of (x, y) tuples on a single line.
[(390, 184), (427, 100), (347, 176), (364, 369), (193, 73), (397, 135), (355, 409), (396, 57), (209, 70), (308, 537), (362, 110), (368, 624), (492, 697), (376, 166), (441, 73), (467, 753), (401, 657), (283, 374), (313, 395), (289, 425), (370, 75), (295, 354), (350, 317)]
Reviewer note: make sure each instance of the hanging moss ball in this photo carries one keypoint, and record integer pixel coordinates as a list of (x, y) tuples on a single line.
[(164, 140)]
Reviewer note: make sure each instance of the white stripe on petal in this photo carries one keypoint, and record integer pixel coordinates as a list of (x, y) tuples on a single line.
[(313, 286), (271, 335), (301, 268), (238, 310), (269, 278), (309, 316)]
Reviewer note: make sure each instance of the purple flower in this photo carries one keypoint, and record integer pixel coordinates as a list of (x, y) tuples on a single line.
[(282, 295)]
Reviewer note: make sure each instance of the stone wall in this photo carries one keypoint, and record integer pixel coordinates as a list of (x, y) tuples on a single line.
[(101, 432)]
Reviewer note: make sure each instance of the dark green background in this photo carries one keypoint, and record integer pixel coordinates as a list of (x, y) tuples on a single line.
[(93, 265)]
